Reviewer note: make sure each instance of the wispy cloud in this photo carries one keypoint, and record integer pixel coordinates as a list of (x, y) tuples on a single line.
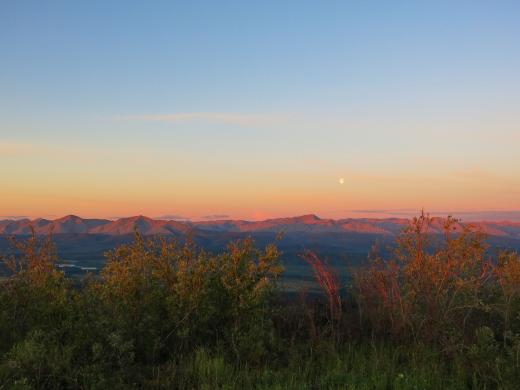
[(10, 148), (215, 216), (170, 217), (473, 215), (212, 117), (383, 211), (16, 217), (70, 152)]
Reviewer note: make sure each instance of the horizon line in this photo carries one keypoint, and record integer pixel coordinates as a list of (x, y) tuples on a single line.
[(380, 214)]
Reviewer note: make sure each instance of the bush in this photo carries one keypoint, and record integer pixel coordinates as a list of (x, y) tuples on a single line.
[(154, 300), (427, 293), (36, 295), (169, 299)]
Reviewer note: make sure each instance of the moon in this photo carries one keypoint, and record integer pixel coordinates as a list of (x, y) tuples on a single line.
[(341, 181)]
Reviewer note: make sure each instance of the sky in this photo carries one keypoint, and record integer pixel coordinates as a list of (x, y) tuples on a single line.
[(254, 110)]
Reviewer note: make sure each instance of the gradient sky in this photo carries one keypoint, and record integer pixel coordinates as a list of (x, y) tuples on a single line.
[(257, 109)]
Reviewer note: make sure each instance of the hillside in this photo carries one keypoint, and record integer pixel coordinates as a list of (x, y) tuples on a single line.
[(72, 224)]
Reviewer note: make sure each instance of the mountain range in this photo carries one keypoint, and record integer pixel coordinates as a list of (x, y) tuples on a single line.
[(72, 224)]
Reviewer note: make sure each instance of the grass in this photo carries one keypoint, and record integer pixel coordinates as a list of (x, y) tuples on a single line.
[(355, 366)]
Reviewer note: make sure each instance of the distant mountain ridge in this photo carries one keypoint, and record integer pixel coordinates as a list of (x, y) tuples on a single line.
[(72, 224)]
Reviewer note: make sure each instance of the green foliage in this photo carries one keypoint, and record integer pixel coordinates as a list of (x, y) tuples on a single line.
[(169, 299), (452, 297), (354, 366), (154, 301)]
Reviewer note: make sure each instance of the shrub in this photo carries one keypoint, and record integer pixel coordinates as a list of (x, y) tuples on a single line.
[(36, 295), (507, 273), (433, 294), (170, 299)]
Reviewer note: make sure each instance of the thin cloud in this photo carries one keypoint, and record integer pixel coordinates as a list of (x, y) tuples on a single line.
[(213, 117), (492, 215), (9, 148), (372, 211), (68, 152), (215, 216), (173, 218), (290, 120), (387, 211), (476, 215)]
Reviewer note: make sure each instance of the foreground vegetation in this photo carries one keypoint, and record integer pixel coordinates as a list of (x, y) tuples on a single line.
[(162, 315)]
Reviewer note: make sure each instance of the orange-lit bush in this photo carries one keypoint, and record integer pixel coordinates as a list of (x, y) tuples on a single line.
[(167, 297), (35, 294), (507, 274), (428, 292)]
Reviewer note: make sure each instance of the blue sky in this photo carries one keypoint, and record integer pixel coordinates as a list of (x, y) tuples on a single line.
[(260, 106)]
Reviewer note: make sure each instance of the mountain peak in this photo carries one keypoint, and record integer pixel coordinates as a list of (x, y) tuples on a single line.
[(138, 218), (70, 217), (308, 223), (307, 218)]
